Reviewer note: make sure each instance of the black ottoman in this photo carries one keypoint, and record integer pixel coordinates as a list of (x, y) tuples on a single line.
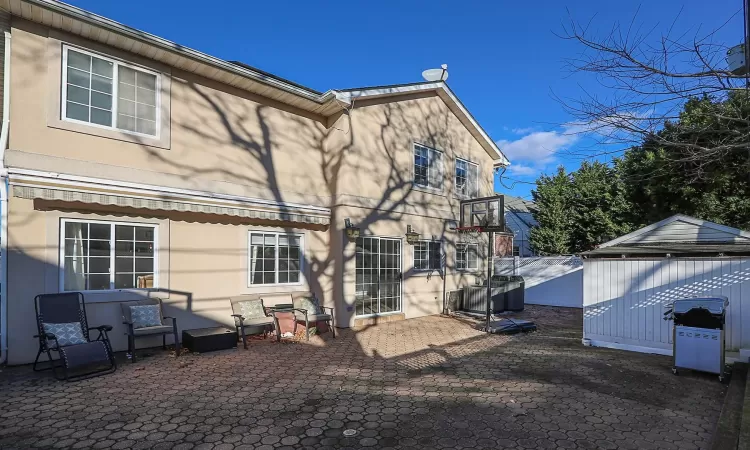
[(204, 340)]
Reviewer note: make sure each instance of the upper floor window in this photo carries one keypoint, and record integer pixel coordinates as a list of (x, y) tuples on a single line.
[(427, 255), (428, 167), (107, 255), (467, 179), (107, 93)]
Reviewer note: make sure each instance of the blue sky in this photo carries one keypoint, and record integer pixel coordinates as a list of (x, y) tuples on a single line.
[(504, 58)]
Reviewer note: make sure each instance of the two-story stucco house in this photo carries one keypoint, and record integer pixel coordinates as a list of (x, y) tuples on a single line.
[(134, 166)]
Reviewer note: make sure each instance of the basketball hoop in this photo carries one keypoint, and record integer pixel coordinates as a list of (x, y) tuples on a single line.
[(479, 216), (469, 235)]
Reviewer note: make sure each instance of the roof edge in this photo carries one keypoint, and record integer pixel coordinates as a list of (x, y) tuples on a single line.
[(353, 94), (340, 98), (165, 44), (675, 218)]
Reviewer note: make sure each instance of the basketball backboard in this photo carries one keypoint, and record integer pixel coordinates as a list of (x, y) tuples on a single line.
[(485, 212)]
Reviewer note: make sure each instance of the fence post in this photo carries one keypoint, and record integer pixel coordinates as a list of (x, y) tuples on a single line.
[(516, 263)]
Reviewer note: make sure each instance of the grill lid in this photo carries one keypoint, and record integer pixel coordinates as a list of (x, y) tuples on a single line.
[(715, 305)]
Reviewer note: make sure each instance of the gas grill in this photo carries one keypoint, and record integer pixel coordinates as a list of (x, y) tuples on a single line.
[(698, 339)]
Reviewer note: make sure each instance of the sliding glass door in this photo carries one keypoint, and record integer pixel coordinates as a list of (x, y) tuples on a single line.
[(378, 277)]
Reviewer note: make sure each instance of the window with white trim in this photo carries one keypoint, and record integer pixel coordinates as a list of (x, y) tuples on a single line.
[(108, 93), (466, 179), (467, 256), (428, 167), (275, 258), (427, 255), (107, 255)]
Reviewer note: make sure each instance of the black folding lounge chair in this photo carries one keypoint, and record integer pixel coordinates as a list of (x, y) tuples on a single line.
[(63, 328)]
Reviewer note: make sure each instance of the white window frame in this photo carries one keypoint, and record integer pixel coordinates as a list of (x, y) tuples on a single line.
[(115, 96), (112, 224), (414, 168), (476, 251), (414, 255), (301, 236), (455, 177)]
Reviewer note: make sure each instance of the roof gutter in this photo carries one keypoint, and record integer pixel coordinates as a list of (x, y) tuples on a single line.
[(147, 38)]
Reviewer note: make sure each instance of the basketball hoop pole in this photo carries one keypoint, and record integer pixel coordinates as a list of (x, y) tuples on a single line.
[(484, 215), (490, 248)]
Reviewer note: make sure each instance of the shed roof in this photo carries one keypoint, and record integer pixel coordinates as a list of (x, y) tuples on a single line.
[(677, 235)]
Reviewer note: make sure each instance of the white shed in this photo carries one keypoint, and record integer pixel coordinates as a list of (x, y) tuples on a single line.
[(628, 282)]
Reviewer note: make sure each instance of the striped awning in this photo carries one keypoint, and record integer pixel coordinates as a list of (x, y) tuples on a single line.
[(253, 209)]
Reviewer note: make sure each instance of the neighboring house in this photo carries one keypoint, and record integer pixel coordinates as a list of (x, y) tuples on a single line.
[(139, 167), (519, 220)]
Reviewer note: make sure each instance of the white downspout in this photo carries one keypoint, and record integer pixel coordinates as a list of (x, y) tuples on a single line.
[(4, 206)]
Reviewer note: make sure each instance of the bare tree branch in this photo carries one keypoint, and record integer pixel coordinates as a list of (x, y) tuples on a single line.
[(647, 81)]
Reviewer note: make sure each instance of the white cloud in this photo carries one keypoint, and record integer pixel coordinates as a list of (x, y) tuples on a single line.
[(536, 151), (526, 130), (521, 170), (539, 146)]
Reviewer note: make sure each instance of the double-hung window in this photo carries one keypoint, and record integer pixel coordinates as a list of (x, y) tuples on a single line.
[(107, 255), (467, 179), (275, 258), (467, 256), (108, 93), (428, 167), (427, 255)]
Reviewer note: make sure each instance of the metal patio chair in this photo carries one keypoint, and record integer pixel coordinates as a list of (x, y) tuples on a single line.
[(307, 308), (148, 321), (63, 328), (250, 317)]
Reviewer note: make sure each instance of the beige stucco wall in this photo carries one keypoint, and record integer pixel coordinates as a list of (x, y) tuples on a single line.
[(360, 165), (201, 264), (222, 140)]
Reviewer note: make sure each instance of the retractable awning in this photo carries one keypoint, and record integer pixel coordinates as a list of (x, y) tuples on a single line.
[(106, 192)]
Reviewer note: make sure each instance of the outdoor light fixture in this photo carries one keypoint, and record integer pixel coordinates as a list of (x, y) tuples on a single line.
[(352, 232), (411, 236)]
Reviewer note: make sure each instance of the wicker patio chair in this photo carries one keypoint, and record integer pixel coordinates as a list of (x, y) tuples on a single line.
[(250, 317), (63, 328), (146, 318), (307, 308)]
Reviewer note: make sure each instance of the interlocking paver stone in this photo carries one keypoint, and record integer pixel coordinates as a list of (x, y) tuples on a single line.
[(433, 382)]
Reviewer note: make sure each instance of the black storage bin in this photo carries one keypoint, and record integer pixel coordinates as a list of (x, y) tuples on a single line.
[(209, 339)]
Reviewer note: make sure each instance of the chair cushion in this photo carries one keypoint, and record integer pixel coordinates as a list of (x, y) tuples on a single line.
[(161, 329), (312, 317), (258, 321), (66, 333), (308, 302), (94, 352), (145, 316), (252, 309)]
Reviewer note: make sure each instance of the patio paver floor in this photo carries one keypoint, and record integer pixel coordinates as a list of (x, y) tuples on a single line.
[(432, 382)]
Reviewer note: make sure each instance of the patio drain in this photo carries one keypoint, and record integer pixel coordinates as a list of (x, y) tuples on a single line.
[(350, 432)]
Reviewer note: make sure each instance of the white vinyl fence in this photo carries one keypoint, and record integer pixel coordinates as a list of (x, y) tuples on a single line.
[(550, 280)]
